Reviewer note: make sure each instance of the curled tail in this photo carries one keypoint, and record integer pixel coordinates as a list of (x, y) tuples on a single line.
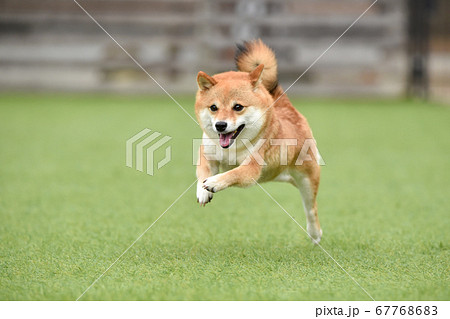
[(251, 54)]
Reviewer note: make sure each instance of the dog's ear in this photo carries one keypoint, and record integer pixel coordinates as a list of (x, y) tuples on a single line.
[(256, 75), (204, 81)]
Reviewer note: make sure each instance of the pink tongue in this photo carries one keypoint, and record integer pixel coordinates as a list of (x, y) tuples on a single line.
[(224, 139)]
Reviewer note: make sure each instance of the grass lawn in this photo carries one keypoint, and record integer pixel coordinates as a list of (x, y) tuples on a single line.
[(69, 207)]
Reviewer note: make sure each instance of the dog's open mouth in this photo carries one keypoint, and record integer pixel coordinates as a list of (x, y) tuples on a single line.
[(225, 140)]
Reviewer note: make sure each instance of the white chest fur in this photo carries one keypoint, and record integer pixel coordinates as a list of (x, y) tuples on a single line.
[(230, 157)]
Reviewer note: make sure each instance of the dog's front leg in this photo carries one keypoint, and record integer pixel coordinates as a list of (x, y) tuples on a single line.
[(205, 169), (241, 176)]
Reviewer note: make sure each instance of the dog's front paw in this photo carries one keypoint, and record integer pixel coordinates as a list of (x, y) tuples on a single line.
[(214, 183), (203, 196)]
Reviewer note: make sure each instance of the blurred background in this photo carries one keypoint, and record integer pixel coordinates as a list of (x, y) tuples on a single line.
[(400, 47)]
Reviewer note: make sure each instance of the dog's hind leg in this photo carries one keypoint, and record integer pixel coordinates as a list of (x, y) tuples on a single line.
[(285, 177), (308, 184)]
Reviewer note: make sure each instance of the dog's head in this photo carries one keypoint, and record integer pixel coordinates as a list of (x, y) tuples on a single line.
[(232, 105)]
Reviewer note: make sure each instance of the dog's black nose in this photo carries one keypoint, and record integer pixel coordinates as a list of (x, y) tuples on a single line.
[(221, 126)]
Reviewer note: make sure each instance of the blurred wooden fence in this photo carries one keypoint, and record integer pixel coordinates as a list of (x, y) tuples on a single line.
[(53, 44)]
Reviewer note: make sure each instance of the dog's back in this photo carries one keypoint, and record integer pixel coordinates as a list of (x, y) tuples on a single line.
[(253, 53)]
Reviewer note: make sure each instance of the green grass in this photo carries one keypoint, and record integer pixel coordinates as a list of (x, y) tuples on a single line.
[(69, 207)]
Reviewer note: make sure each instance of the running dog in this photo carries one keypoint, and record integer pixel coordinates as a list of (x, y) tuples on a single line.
[(253, 134)]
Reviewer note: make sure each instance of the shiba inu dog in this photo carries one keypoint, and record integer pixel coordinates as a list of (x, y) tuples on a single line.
[(253, 134)]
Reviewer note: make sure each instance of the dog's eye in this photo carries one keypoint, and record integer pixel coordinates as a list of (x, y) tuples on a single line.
[(238, 107), (213, 108)]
